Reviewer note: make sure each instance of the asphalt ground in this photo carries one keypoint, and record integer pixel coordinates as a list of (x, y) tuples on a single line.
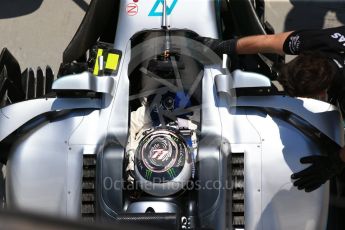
[(289, 15), (36, 32)]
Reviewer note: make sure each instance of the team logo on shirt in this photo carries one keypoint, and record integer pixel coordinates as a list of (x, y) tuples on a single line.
[(339, 37), (294, 44), (340, 66)]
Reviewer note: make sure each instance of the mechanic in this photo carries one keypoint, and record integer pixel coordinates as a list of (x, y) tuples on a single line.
[(317, 70)]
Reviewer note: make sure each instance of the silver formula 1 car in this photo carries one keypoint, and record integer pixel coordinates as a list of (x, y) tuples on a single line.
[(145, 125)]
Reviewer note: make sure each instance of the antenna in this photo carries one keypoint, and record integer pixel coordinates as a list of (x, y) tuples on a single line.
[(165, 16), (166, 28)]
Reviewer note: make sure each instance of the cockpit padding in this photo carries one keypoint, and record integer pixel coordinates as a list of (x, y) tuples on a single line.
[(143, 77)]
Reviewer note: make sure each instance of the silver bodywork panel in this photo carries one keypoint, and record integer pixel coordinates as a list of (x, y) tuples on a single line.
[(44, 170), (12, 117), (44, 174), (203, 22), (317, 113), (243, 79), (276, 149), (86, 82)]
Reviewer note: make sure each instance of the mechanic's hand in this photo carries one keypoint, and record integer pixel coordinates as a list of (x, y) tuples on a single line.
[(322, 169), (218, 46)]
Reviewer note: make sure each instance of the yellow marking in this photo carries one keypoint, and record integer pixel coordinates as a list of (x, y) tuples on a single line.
[(96, 68), (112, 61)]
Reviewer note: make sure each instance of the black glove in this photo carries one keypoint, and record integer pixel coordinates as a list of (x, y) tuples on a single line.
[(218, 46), (322, 169)]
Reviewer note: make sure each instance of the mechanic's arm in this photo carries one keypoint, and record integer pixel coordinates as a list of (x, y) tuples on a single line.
[(272, 43)]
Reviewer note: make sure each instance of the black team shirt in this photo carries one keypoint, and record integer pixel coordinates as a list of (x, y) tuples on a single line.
[(331, 43)]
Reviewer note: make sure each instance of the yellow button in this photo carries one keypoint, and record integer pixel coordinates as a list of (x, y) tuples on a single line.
[(112, 61)]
